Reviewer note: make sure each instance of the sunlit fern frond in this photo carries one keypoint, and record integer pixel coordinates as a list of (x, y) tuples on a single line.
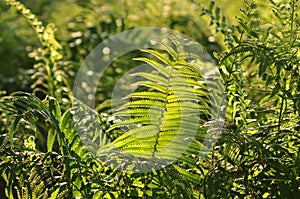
[(161, 120)]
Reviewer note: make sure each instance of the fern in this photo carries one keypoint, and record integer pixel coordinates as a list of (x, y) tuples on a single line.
[(172, 118), (159, 124), (29, 175), (259, 62), (30, 109), (51, 78)]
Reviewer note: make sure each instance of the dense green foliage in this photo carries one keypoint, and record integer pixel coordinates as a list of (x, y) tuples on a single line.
[(257, 153)]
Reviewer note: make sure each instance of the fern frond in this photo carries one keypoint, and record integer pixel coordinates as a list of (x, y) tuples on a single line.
[(159, 87), (71, 135), (55, 194), (161, 121), (235, 51), (31, 109), (133, 121), (160, 56), (188, 175), (50, 139), (137, 112), (152, 77), (159, 67), (143, 103), (147, 95), (50, 78)]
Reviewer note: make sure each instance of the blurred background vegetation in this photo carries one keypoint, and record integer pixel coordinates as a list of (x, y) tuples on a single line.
[(82, 25)]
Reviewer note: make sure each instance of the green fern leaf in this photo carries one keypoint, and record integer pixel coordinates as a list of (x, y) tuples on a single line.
[(54, 194), (162, 120), (147, 95), (160, 56), (159, 67), (153, 77), (54, 108), (159, 87), (188, 175), (50, 139)]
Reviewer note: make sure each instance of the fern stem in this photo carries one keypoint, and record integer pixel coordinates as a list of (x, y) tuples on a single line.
[(162, 114)]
